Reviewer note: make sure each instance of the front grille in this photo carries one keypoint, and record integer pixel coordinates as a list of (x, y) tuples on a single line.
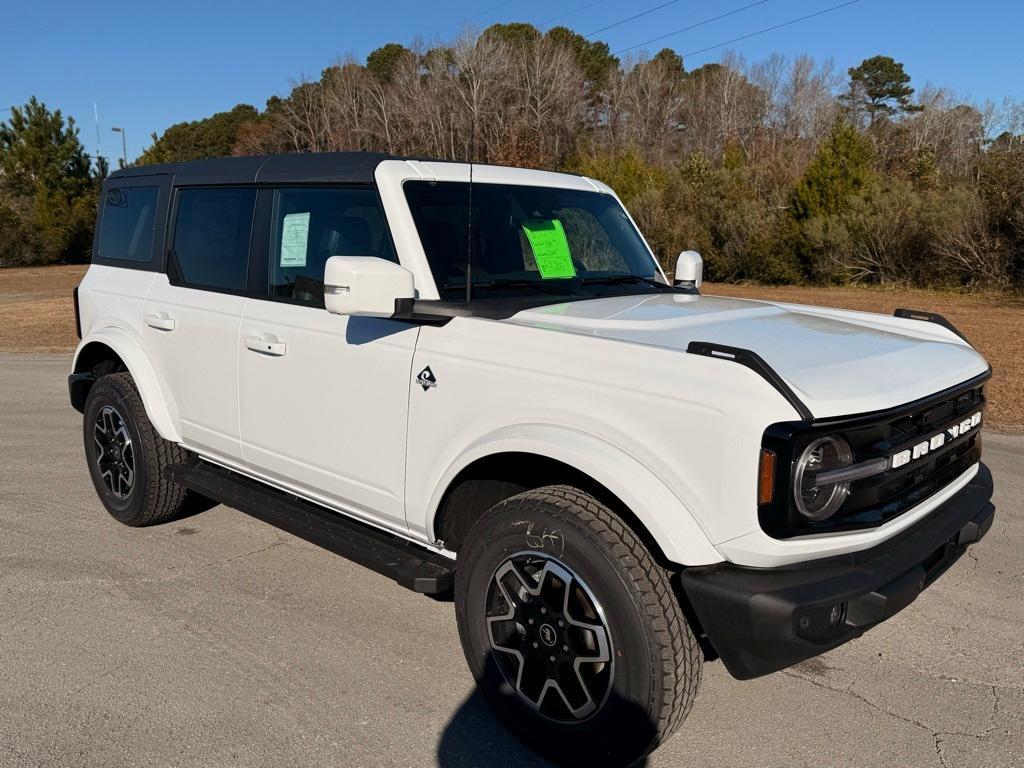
[(876, 500)]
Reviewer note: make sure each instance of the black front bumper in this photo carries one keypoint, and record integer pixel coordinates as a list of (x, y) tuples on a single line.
[(761, 620)]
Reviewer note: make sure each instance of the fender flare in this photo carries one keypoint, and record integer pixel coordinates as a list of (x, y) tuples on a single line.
[(151, 389), (659, 510)]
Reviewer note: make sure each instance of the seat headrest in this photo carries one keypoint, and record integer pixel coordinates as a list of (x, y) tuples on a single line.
[(355, 237)]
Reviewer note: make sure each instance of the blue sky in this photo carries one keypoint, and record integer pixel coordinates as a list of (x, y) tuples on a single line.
[(154, 64)]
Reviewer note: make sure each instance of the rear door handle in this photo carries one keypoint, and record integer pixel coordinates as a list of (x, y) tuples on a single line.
[(266, 345), (160, 320)]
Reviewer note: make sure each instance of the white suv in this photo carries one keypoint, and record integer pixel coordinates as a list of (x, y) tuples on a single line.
[(478, 379)]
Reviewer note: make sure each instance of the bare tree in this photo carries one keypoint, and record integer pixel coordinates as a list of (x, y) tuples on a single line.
[(549, 103), (345, 87), (948, 128), (807, 99), (304, 118), (721, 107), (474, 75)]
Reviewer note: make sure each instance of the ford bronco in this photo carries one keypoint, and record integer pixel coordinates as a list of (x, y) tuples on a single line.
[(479, 382)]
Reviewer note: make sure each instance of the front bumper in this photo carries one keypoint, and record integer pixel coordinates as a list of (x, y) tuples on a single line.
[(761, 620)]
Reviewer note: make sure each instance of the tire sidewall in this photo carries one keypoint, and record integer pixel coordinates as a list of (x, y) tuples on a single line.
[(624, 725), (126, 510)]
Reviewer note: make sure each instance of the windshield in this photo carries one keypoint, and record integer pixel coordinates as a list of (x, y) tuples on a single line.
[(528, 240)]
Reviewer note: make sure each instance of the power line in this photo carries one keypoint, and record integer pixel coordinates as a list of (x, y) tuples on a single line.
[(474, 16), (692, 26), (630, 18), (571, 13), (560, 16), (771, 29)]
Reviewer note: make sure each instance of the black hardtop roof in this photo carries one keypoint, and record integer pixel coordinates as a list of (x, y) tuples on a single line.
[(321, 167), (296, 167)]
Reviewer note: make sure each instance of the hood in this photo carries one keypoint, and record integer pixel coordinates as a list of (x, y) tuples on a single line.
[(837, 362)]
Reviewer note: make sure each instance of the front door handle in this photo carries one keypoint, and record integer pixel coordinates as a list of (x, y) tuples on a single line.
[(266, 345), (160, 320)]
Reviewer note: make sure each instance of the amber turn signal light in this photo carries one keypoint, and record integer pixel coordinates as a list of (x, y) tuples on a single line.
[(766, 477)]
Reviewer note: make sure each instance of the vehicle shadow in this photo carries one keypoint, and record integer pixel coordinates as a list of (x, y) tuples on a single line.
[(475, 738), (363, 330), (194, 504)]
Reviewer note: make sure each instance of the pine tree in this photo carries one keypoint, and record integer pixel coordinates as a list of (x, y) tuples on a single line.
[(213, 136), (40, 151), (382, 61), (831, 185), (47, 193), (880, 88), (841, 168)]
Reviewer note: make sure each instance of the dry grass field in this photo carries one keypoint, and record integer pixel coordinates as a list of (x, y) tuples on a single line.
[(36, 316), (36, 311)]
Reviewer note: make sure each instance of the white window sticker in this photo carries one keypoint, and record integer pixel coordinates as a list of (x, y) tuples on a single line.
[(294, 239)]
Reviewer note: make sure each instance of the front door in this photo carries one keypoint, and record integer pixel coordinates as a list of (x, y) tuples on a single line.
[(323, 398)]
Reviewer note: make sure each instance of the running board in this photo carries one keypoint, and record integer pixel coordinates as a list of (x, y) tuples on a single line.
[(412, 566)]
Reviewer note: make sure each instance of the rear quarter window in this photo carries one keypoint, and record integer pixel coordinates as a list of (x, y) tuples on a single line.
[(127, 223)]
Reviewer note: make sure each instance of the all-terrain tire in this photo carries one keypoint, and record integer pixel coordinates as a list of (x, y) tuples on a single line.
[(150, 498), (657, 661)]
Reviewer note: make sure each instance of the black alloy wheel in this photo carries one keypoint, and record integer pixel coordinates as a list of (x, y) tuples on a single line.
[(549, 637), (115, 454)]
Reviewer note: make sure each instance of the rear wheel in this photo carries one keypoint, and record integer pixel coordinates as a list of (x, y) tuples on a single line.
[(571, 629), (126, 456)]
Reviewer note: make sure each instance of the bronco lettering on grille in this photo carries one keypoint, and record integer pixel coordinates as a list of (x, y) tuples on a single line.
[(935, 442)]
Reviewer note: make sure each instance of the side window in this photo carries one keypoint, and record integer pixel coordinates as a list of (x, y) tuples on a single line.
[(211, 238), (126, 226), (312, 224)]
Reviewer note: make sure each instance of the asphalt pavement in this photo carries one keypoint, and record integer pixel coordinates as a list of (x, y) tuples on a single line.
[(216, 640)]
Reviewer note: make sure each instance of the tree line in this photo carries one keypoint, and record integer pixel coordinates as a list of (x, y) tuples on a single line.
[(778, 171)]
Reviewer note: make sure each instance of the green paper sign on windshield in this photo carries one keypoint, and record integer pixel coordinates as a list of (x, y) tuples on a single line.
[(550, 248)]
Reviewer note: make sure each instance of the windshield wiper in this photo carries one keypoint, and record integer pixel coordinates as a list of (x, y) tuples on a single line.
[(524, 286), (622, 280)]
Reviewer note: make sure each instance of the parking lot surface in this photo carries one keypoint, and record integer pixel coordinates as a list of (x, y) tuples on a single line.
[(216, 640)]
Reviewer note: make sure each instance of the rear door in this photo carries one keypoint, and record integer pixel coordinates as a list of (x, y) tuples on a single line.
[(324, 398), (193, 311), (127, 250)]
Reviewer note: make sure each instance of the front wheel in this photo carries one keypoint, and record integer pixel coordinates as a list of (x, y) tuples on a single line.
[(571, 629)]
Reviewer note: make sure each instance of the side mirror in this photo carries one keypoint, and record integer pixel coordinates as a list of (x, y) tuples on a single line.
[(689, 269), (365, 286)]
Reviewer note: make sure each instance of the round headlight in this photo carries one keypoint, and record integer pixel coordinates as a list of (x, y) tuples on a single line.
[(819, 502)]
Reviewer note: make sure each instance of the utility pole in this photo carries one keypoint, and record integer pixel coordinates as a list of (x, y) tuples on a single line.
[(96, 117), (124, 147)]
